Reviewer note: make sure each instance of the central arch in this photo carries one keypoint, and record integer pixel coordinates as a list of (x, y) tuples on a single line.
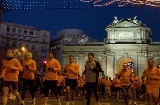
[(123, 60)]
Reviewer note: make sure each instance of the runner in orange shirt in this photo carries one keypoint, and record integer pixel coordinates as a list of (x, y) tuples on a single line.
[(10, 72), (80, 84), (71, 73), (103, 81), (108, 84), (126, 76), (135, 87), (29, 67), (60, 83), (50, 78), (117, 83), (152, 75)]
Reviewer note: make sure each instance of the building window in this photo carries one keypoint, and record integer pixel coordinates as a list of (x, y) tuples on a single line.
[(20, 44), (19, 31), (13, 35), (31, 33), (44, 40), (25, 32), (44, 34), (19, 36), (8, 29), (27, 46), (33, 46), (13, 30)]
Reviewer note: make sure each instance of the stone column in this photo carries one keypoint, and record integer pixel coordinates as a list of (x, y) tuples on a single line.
[(81, 62), (142, 64), (111, 65), (64, 60)]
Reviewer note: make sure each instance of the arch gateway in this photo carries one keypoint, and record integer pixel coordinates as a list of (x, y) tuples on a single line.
[(128, 41)]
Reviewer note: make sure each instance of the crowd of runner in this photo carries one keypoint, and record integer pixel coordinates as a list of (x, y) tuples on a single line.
[(69, 82)]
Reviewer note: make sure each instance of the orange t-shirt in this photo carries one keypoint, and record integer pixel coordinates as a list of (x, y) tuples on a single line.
[(72, 74), (117, 82), (108, 84), (60, 80), (29, 72), (80, 82), (52, 63), (103, 81), (136, 82), (126, 76), (149, 73), (11, 73)]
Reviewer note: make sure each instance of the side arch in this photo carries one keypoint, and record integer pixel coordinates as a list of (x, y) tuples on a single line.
[(123, 60)]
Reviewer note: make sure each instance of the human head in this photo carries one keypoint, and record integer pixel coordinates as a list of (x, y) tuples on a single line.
[(125, 66), (90, 56), (29, 56), (51, 55), (71, 59), (150, 62), (9, 53)]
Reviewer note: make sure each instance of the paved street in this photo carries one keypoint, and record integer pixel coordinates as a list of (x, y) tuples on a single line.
[(79, 101)]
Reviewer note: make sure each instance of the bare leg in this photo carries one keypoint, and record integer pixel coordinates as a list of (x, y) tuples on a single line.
[(67, 93), (155, 99), (16, 93), (5, 93), (150, 99), (45, 100)]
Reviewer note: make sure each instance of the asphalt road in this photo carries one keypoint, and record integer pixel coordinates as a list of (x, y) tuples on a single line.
[(79, 100)]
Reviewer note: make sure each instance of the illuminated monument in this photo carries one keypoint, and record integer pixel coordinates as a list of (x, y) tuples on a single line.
[(128, 40)]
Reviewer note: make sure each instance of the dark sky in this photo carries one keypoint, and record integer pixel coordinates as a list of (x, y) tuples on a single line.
[(92, 20)]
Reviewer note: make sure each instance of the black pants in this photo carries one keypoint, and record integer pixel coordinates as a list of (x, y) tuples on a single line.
[(50, 85), (28, 84), (91, 87), (59, 89), (103, 90)]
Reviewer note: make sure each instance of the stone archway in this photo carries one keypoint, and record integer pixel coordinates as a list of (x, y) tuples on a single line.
[(123, 60), (157, 63)]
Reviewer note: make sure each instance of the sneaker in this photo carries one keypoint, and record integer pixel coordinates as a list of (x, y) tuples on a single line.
[(10, 96), (135, 103), (13, 97), (34, 101), (129, 102), (98, 103), (116, 99), (59, 102), (22, 103), (67, 103), (19, 102)]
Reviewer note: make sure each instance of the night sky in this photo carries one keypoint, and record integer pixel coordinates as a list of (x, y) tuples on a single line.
[(92, 21)]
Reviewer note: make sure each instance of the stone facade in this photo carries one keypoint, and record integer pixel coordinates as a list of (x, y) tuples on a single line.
[(33, 40), (128, 40)]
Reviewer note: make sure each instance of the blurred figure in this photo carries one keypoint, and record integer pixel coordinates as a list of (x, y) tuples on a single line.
[(126, 76), (38, 82), (135, 87), (108, 84), (152, 75), (29, 67), (10, 72), (50, 78), (92, 69), (60, 83), (103, 81), (117, 88), (71, 71)]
